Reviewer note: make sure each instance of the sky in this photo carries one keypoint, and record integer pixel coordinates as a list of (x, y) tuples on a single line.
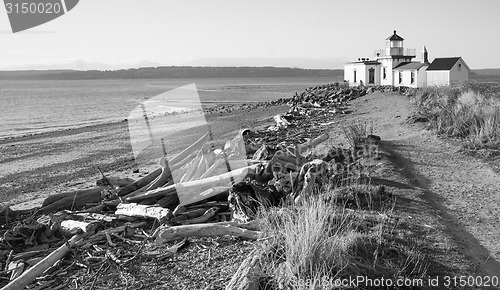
[(110, 34)]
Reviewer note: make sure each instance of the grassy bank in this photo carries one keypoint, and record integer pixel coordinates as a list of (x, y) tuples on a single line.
[(470, 112)]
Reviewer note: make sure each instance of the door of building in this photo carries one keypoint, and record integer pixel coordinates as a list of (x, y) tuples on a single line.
[(371, 76)]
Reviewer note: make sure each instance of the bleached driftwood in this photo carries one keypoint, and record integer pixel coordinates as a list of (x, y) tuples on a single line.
[(247, 276), (188, 192), (166, 234), (28, 276), (164, 176), (159, 192), (79, 198), (139, 183), (312, 143), (281, 122), (86, 227), (212, 168), (194, 166), (198, 144), (251, 225), (193, 197), (148, 211), (15, 268)]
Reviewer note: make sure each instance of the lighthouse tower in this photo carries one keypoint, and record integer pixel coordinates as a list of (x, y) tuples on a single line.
[(394, 45), (393, 55)]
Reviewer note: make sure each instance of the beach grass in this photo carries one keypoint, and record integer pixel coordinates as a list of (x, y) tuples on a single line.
[(470, 112)]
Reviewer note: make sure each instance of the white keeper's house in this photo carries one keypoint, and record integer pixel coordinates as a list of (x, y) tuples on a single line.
[(394, 66)]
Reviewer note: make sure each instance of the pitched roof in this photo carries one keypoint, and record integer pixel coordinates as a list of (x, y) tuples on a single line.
[(394, 37), (443, 63), (409, 65)]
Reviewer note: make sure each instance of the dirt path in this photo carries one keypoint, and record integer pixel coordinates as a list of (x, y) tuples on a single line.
[(451, 191)]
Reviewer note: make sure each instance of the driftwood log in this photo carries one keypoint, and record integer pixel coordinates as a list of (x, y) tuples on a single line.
[(166, 234), (196, 145), (86, 227), (247, 277), (79, 198), (139, 210), (140, 183), (28, 276), (188, 192), (312, 143), (71, 200)]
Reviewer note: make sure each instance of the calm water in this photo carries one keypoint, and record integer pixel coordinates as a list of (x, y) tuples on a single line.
[(38, 106)]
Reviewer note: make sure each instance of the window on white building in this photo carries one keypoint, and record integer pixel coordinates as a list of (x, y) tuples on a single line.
[(400, 77), (355, 76), (385, 73), (412, 77), (459, 66)]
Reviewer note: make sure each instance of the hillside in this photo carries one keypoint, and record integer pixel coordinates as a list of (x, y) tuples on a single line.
[(175, 72), (485, 75), (488, 71), (171, 72)]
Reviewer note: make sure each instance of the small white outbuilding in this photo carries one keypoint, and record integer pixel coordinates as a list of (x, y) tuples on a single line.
[(447, 71)]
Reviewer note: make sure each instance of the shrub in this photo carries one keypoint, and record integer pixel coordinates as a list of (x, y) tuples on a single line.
[(357, 132)]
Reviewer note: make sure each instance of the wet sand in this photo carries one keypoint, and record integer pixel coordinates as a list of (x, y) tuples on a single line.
[(33, 167)]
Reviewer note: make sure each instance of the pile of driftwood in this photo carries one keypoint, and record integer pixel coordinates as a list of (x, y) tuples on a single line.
[(205, 190)]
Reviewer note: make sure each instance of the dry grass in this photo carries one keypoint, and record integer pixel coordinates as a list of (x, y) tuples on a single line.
[(357, 132), (325, 238), (470, 112)]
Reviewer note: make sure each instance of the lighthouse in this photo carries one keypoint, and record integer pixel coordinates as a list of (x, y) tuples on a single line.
[(393, 66)]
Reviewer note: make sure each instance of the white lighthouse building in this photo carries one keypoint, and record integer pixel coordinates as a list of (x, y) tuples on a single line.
[(394, 66)]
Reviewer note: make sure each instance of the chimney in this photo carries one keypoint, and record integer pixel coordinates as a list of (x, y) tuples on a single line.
[(425, 56)]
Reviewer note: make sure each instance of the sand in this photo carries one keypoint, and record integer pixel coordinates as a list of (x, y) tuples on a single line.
[(35, 166)]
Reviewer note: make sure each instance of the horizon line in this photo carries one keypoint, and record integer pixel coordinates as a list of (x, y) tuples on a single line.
[(180, 66), (164, 66)]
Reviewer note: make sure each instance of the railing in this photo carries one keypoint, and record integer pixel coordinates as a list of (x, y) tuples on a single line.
[(396, 51)]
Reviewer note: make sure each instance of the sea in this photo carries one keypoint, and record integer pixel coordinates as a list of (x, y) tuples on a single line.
[(36, 106)]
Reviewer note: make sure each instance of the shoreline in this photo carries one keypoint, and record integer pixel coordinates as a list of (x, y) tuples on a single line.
[(58, 131), (121, 97), (217, 105), (37, 165)]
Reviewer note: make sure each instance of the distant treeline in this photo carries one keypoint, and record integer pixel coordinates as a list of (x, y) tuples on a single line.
[(488, 71), (175, 72), (485, 75), (170, 72)]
